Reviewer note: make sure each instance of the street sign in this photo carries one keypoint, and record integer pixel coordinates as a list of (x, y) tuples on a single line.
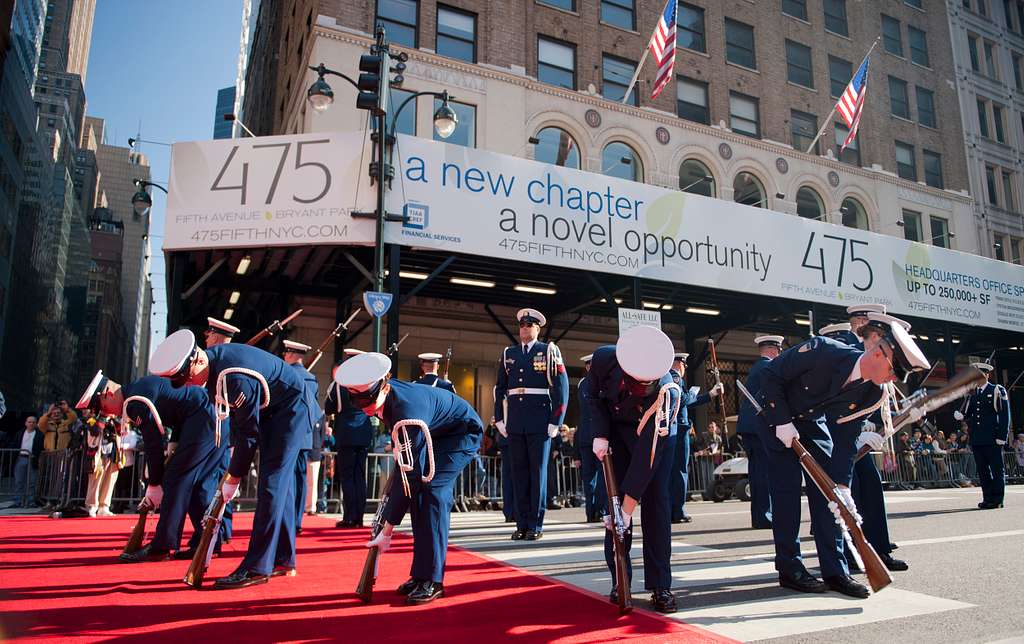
[(377, 303), (629, 318)]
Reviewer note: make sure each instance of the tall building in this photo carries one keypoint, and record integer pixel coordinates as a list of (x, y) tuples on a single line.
[(223, 129), (27, 36), (67, 36), (250, 13)]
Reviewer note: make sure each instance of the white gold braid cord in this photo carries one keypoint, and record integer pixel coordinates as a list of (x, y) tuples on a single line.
[(148, 403), (664, 414), (223, 406), (402, 449), (846, 498)]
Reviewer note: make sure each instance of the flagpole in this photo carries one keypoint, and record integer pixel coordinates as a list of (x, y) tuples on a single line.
[(828, 118), (636, 74)]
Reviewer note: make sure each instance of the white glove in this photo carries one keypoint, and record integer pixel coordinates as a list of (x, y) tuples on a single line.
[(914, 414), (869, 426), (957, 415), (154, 494), (600, 448), (500, 424), (834, 508), (875, 441), (1000, 442), (229, 489), (169, 450), (608, 525), (847, 497), (382, 541), (717, 390), (787, 433), (552, 431)]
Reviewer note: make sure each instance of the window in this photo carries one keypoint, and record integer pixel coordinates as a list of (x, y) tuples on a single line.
[(892, 39), (839, 74), (972, 47), (556, 63), (854, 215), (620, 160), (835, 17), (747, 190), (940, 231), (795, 8), (808, 204), (1015, 250), (998, 123), (925, 107), (906, 166), (798, 64), (616, 74), (465, 131), (982, 7), (990, 61), (899, 103), (990, 184), (406, 123), (917, 4), (1018, 73), (743, 115), (918, 46), (1009, 202), (557, 148), (983, 119), (618, 13), (399, 18), (851, 154), (739, 44), (692, 100), (690, 22), (456, 33), (695, 178), (802, 128), (998, 244), (912, 225), (932, 168), (568, 5)]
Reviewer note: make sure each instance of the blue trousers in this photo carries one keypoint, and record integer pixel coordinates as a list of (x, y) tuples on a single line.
[(352, 472), (989, 459), (680, 478), (594, 497), (508, 495), (530, 455), (870, 500), (301, 465), (757, 473)]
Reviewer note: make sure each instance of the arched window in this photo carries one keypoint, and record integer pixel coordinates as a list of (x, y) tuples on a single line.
[(808, 204), (557, 148), (620, 160), (854, 215), (747, 190), (695, 177)]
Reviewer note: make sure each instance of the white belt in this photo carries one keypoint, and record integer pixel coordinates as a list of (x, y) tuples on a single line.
[(525, 391)]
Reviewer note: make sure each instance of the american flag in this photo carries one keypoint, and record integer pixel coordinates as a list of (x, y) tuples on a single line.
[(663, 47), (851, 103)]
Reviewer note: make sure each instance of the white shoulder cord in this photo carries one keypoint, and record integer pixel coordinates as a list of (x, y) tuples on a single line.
[(148, 403), (1000, 395), (550, 350), (223, 406), (402, 450), (887, 395), (664, 414)]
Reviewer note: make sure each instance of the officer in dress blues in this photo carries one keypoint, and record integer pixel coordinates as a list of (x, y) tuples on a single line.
[(219, 332), (187, 483), (817, 391), (295, 354), (429, 364), (680, 484), (987, 414), (857, 316), (353, 435), (590, 469), (435, 435), (266, 401), (530, 399), (634, 406), (750, 428)]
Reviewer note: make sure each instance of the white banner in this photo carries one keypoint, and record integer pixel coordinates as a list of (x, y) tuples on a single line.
[(472, 201), (629, 318), (290, 190)]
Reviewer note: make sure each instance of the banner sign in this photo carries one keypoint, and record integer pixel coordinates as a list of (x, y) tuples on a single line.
[(298, 189), (463, 200), (376, 302), (629, 318)]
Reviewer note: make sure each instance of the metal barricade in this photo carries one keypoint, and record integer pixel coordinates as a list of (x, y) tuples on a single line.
[(701, 471), (1014, 466)]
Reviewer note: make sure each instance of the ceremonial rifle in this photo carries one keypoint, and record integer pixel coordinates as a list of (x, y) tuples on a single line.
[(878, 575), (333, 334), (393, 349), (204, 551), (275, 327), (718, 380), (139, 531), (364, 589), (447, 361), (618, 536)]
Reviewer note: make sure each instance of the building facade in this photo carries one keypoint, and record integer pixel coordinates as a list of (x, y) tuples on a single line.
[(224, 129)]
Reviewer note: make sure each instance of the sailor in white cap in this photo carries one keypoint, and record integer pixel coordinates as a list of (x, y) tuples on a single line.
[(530, 399), (590, 468), (841, 331), (857, 315), (986, 412), (435, 435), (429, 364), (294, 354), (692, 398), (266, 401), (353, 434), (219, 332), (750, 427), (634, 408)]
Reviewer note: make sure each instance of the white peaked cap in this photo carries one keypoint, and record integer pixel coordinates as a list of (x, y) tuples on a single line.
[(644, 352), (171, 354), (361, 372)]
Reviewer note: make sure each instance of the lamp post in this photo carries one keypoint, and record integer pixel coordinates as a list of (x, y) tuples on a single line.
[(141, 201)]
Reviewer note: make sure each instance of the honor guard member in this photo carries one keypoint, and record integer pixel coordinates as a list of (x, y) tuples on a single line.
[(294, 354), (530, 399), (590, 468), (750, 428), (353, 434), (429, 363), (219, 332), (841, 332), (435, 435), (857, 315), (634, 406), (680, 484), (266, 401), (987, 414), (187, 483)]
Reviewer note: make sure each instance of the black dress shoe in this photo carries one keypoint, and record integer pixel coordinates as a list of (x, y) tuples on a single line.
[(613, 596), (144, 554), (848, 586), (518, 535), (409, 586), (510, 519), (298, 531), (802, 581), (425, 592), (893, 546), (664, 601), (185, 555), (686, 518), (343, 524), (240, 579), (534, 536), (283, 571), (761, 526), (853, 566), (894, 564)]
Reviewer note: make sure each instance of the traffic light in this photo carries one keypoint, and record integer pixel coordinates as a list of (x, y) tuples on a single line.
[(373, 83)]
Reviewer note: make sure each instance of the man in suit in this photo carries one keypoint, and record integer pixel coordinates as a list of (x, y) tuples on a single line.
[(987, 414), (749, 429)]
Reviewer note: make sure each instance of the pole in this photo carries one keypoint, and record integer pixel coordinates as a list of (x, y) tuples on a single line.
[(636, 74), (382, 173), (828, 118)]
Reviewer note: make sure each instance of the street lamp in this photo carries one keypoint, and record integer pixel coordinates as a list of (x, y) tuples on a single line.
[(141, 200)]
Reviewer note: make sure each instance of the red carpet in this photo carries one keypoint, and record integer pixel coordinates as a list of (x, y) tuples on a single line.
[(59, 581)]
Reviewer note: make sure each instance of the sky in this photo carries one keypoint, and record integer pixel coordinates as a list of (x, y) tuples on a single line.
[(155, 68)]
